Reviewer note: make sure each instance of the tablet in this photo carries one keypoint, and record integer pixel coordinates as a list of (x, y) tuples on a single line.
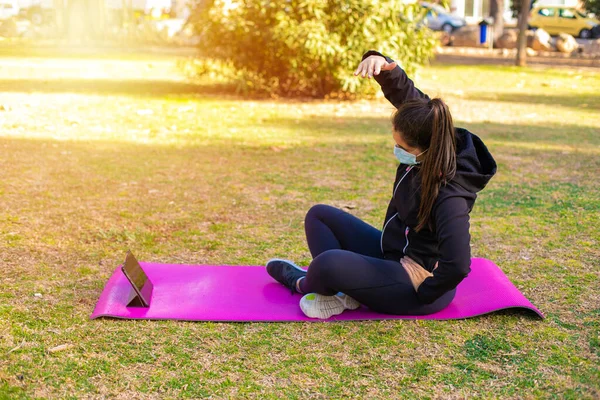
[(142, 286)]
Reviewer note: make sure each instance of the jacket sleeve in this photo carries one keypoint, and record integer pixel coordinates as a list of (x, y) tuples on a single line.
[(451, 219), (395, 84)]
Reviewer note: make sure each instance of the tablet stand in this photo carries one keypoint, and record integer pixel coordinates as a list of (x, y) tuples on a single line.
[(141, 286)]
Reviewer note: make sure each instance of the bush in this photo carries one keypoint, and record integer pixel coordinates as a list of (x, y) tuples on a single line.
[(9, 28), (592, 6), (308, 47)]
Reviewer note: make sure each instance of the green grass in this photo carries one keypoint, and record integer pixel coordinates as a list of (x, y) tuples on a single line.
[(101, 156)]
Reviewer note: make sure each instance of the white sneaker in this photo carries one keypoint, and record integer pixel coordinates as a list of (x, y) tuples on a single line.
[(315, 305)]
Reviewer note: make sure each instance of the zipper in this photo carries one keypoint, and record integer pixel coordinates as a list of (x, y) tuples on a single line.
[(406, 231), (384, 226), (408, 169)]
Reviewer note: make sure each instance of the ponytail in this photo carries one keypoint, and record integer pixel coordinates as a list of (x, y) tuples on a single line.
[(439, 165), (428, 125)]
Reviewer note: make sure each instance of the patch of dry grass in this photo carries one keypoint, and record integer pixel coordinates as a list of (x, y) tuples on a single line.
[(99, 156)]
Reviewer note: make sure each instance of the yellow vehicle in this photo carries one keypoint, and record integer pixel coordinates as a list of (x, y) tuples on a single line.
[(563, 19)]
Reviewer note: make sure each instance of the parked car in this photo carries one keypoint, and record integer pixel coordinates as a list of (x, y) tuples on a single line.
[(8, 9), (440, 19), (563, 19)]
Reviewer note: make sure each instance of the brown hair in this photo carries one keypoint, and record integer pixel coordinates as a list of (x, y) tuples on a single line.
[(428, 126)]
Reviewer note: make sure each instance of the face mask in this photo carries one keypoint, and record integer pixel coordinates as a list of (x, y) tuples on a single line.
[(405, 157)]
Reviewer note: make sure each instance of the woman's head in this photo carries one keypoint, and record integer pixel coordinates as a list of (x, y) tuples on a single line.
[(425, 128)]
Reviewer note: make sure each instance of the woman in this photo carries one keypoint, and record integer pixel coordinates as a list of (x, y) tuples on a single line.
[(414, 264)]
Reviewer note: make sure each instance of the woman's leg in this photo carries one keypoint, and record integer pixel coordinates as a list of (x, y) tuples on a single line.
[(329, 228), (382, 285)]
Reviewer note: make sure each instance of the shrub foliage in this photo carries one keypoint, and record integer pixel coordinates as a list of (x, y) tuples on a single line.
[(592, 6), (307, 47)]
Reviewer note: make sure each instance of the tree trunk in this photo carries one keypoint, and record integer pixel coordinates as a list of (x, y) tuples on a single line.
[(497, 13), (125, 13), (100, 10), (59, 17), (522, 40)]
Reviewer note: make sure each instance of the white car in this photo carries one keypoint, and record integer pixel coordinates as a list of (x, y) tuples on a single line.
[(8, 9)]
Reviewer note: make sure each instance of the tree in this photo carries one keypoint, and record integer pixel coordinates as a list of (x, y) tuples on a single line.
[(497, 13), (84, 19), (592, 6), (515, 6), (522, 40), (307, 47), (59, 17)]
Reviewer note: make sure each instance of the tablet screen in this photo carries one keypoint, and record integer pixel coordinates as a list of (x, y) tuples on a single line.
[(138, 279)]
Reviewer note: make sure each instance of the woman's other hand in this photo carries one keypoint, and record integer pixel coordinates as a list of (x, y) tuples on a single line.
[(373, 65), (416, 273)]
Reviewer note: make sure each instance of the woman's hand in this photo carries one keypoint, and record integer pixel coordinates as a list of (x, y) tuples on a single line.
[(416, 273), (373, 65)]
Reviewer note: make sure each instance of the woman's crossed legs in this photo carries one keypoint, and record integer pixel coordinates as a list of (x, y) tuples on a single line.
[(347, 258)]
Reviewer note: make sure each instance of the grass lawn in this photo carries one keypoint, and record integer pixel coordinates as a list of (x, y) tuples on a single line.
[(101, 156)]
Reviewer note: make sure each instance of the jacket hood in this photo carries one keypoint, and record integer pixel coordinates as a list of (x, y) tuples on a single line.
[(475, 166)]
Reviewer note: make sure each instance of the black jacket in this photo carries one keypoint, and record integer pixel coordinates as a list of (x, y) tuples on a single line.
[(448, 241)]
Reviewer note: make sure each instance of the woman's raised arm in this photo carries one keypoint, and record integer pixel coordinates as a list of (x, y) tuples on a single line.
[(395, 84)]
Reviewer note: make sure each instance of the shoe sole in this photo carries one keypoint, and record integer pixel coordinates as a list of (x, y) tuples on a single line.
[(350, 303), (329, 306)]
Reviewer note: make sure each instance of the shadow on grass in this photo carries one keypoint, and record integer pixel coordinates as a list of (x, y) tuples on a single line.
[(567, 135), (553, 62), (224, 163), (140, 87), (134, 88), (90, 51), (577, 101)]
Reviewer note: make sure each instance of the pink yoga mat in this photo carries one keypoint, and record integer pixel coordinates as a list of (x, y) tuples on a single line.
[(237, 293)]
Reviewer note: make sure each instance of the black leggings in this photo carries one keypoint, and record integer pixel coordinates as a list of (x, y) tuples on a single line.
[(347, 258)]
